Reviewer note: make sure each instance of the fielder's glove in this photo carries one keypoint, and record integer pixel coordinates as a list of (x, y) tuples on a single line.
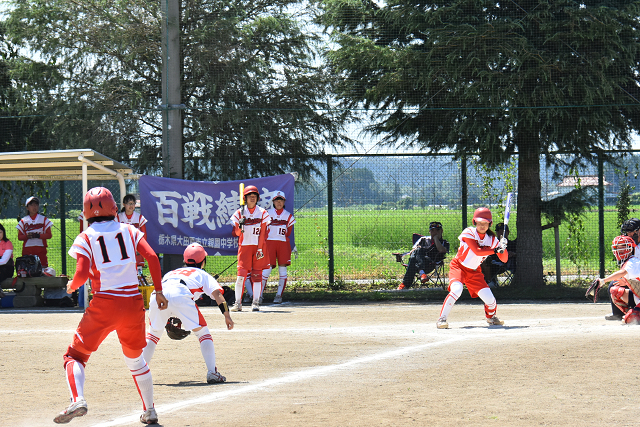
[(592, 292), (174, 329)]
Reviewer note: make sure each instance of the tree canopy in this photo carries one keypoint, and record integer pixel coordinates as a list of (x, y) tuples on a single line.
[(492, 79), (250, 83)]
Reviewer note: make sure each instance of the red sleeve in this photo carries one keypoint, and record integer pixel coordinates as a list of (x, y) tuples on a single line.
[(22, 237), (236, 230), (154, 264), (476, 248), (82, 272), (46, 234), (143, 228), (263, 236)]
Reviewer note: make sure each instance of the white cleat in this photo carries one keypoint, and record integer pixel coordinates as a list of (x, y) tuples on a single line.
[(277, 299), (215, 377), (149, 416), (236, 307), (494, 321), (76, 409), (442, 323)]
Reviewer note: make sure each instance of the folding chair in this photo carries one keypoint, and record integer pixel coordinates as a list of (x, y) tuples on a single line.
[(435, 278)]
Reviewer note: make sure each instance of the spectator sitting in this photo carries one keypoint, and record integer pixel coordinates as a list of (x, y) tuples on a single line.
[(34, 230), (492, 266), (425, 255), (6, 257)]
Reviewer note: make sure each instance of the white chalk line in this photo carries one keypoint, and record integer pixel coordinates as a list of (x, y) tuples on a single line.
[(308, 374)]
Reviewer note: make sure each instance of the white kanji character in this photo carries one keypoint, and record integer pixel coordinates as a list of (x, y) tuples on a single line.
[(167, 209)]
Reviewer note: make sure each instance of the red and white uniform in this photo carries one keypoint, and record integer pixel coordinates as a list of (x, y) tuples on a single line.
[(632, 267), (278, 243), (182, 287), (465, 266), (252, 239), (36, 224)]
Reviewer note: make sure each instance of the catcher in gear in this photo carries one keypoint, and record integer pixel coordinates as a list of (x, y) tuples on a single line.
[(182, 287), (625, 289)]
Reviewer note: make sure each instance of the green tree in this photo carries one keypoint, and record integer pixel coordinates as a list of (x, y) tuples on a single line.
[(255, 98), (493, 78)]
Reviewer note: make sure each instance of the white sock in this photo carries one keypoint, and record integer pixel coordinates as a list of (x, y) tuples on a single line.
[(142, 377), (238, 290), (257, 291), (265, 276), (153, 337), (207, 348), (282, 281), (75, 379), (455, 290), (249, 286)]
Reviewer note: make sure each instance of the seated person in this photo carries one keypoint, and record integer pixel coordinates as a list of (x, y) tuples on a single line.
[(630, 228), (492, 266), (426, 252)]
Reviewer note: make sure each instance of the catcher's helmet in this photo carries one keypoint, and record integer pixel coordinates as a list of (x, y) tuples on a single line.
[(174, 329), (630, 225), (622, 247), (251, 189), (194, 254), (99, 202), (482, 214)]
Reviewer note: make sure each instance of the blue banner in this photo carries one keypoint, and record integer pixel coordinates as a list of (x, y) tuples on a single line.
[(181, 212)]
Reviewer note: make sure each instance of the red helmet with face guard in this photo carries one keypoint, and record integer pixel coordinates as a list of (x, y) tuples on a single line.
[(622, 247), (482, 214), (194, 254), (251, 189), (99, 202)]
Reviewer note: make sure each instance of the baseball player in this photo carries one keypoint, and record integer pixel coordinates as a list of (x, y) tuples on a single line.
[(34, 230), (128, 215), (182, 287), (629, 227), (625, 287), (105, 253), (250, 224), (278, 244), (476, 243)]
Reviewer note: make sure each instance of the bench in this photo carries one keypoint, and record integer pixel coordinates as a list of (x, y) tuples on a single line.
[(28, 290)]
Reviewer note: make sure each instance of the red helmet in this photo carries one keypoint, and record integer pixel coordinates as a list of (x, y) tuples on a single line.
[(482, 214), (99, 202), (622, 247), (194, 254), (251, 189)]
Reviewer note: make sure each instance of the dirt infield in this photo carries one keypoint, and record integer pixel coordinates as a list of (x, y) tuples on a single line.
[(344, 365)]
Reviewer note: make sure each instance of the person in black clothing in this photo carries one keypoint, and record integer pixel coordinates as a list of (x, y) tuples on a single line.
[(631, 228), (492, 266), (426, 252)]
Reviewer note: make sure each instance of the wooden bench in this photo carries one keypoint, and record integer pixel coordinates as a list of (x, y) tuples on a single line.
[(28, 290)]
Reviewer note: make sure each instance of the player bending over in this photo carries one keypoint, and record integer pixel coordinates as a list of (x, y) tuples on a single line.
[(476, 243), (278, 244), (625, 291), (105, 253), (182, 287)]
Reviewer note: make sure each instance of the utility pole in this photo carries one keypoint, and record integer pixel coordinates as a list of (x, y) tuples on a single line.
[(171, 103)]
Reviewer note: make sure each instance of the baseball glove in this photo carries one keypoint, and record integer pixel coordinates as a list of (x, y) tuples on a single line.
[(174, 329), (592, 292)]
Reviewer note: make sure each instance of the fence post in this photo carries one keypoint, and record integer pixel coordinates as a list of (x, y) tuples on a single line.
[(63, 230), (463, 184), (601, 212), (330, 217)]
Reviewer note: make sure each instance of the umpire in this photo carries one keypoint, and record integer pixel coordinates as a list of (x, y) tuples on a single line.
[(631, 228)]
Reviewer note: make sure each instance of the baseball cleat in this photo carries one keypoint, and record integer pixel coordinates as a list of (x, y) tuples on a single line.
[(149, 416), (277, 299), (495, 321), (613, 317), (255, 306), (236, 307), (215, 377), (442, 323), (76, 409)]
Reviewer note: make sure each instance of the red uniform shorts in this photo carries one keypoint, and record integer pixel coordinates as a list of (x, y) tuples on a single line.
[(247, 260), (107, 313), (279, 251), (472, 279)]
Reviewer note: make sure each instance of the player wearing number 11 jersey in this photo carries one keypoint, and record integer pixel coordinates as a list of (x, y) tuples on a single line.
[(105, 252)]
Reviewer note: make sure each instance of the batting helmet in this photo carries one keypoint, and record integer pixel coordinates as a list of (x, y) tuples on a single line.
[(622, 247), (630, 225), (251, 189), (279, 195), (482, 214), (194, 254), (174, 329), (99, 202)]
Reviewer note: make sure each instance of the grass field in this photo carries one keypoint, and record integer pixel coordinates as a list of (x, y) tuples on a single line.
[(363, 243)]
